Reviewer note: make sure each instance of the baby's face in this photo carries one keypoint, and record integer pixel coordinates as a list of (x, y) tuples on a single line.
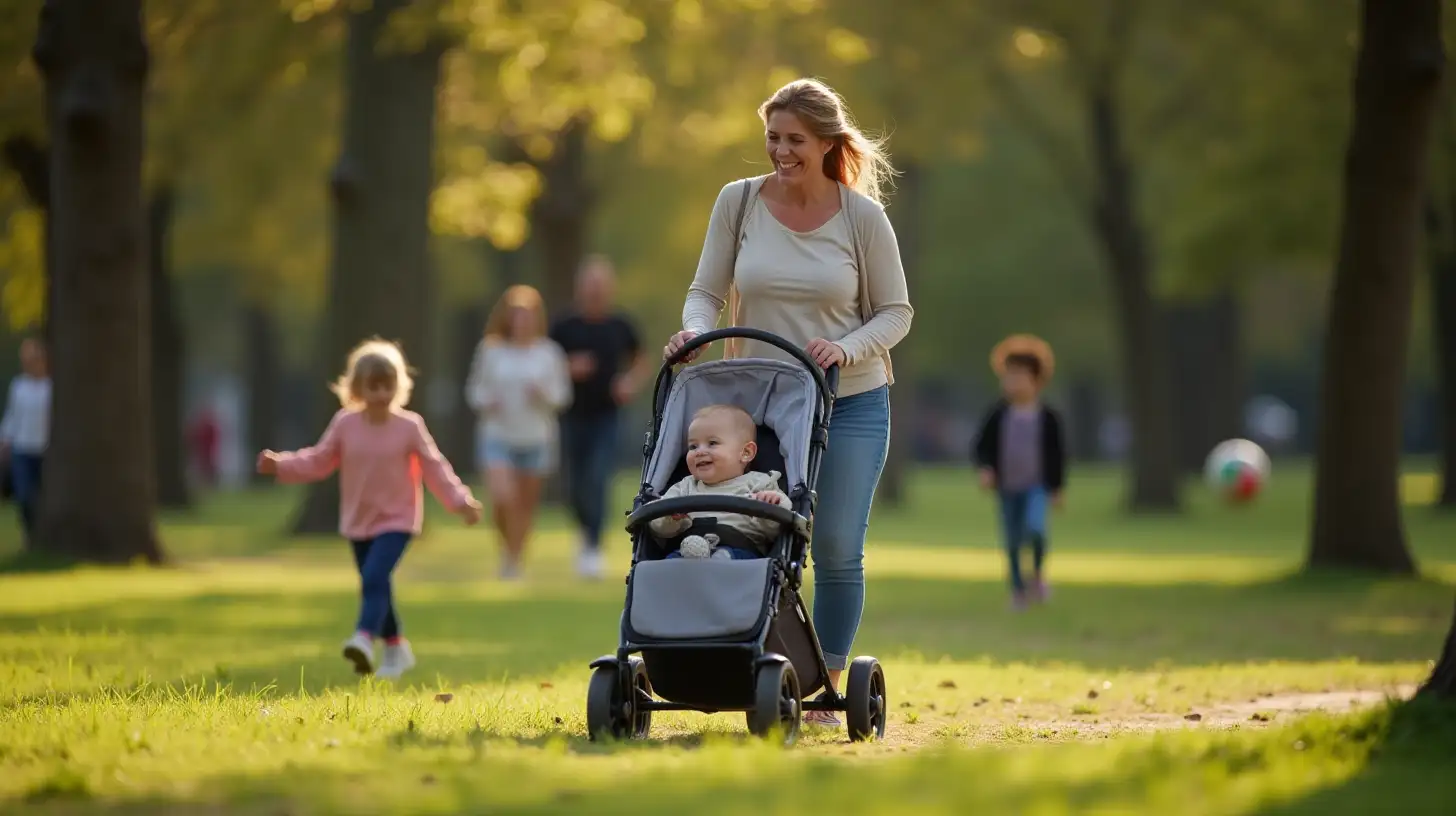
[(716, 450)]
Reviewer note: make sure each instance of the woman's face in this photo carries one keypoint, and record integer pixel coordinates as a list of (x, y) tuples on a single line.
[(518, 323), (32, 358), (796, 153)]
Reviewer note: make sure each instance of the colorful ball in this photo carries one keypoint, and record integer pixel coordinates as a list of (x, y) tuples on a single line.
[(1237, 469)]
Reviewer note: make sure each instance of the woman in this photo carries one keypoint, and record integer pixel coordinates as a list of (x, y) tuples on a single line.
[(518, 384), (25, 430), (809, 255)]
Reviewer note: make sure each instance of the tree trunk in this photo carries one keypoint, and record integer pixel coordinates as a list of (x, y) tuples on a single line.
[(1442, 682), (381, 199), (1357, 515), (1084, 420), (1443, 328), (1155, 475), (909, 230), (560, 216), (459, 442), (1208, 377), (100, 498), (32, 163), (168, 363), (262, 368)]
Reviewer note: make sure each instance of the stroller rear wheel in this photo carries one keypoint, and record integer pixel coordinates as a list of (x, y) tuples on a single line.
[(867, 704), (614, 710), (776, 702)]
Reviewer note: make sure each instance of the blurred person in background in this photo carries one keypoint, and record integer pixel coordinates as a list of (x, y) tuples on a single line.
[(604, 357), (25, 431), (518, 384)]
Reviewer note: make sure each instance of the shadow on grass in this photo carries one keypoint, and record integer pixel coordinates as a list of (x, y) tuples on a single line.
[(1409, 763), (29, 562), (288, 639), (1400, 755)]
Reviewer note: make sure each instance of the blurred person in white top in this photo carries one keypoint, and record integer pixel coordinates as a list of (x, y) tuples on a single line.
[(518, 385), (26, 428)]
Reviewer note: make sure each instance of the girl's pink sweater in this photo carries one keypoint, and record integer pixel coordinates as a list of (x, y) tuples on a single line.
[(380, 469)]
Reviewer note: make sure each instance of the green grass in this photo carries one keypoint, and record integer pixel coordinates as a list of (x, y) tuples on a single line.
[(1170, 674)]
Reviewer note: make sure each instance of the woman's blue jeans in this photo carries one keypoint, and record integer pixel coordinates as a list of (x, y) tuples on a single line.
[(859, 437)]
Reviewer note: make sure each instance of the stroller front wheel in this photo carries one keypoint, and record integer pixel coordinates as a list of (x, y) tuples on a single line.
[(613, 709), (866, 702), (776, 703)]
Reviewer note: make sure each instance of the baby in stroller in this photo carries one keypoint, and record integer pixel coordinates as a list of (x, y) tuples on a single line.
[(720, 446)]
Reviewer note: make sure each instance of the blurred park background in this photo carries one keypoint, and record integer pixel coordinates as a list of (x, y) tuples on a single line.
[(527, 135)]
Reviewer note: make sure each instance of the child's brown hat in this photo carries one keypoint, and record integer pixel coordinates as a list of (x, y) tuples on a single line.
[(1024, 345)]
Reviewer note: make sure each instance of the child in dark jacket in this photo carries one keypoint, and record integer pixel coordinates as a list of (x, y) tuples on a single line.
[(1020, 454)]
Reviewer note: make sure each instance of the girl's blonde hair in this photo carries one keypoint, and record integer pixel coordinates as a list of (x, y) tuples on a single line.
[(371, 361), (498, 327), (855, 160)]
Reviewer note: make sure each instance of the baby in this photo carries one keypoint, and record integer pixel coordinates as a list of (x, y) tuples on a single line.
[(720, 446)]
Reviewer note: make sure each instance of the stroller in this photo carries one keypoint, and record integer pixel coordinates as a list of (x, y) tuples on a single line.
[(715, 635)]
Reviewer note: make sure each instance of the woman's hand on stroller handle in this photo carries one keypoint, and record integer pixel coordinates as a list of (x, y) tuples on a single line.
[(825, 352), (676, 342)]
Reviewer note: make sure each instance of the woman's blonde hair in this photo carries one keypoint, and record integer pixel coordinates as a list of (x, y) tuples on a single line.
[(855, 160), (371, 361), (498, 326)]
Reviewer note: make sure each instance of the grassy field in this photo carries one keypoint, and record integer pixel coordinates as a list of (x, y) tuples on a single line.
[(1182, 667)]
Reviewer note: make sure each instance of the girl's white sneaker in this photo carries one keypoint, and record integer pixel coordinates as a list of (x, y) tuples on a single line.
[(360, 651), (398, 659)]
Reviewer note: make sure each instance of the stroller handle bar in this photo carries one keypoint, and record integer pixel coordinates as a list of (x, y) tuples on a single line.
[(827, 381), (654, 510)]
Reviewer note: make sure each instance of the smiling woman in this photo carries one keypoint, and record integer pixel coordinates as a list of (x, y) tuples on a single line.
[(807, 253)]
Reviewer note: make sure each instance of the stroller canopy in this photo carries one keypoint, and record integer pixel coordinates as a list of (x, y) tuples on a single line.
[(780, 395)]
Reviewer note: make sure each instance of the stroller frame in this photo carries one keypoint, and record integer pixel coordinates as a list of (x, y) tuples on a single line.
[(620, 698)]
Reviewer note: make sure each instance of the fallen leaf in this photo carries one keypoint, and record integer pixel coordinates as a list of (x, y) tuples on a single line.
[(444, 697), (947, 684), (547, 686)]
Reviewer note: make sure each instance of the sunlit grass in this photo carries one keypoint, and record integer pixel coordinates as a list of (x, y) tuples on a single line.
[(1167, 676)]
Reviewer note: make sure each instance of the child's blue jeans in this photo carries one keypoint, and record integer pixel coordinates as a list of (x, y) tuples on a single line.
[(376, 559), (1023, 521)]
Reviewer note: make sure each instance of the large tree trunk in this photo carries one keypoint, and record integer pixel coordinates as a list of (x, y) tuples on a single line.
[(100, 498), (262, 368), (909, 230), (1443, 330), (1146, 374), (458, 442), (560, 216), (1442, 682), (1208, 376), (32, 163), (168, 363), (1357, 515), (381, 193)]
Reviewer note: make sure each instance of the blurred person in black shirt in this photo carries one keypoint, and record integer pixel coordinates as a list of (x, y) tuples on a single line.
[(604, 357)]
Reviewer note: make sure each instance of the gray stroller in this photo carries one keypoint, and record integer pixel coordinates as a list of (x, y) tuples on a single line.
[(715, 635)]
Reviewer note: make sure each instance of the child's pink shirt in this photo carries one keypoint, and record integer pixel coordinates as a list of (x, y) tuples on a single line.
[(380, 468)]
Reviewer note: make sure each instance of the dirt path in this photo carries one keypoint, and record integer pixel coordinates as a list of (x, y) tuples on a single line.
[(1259, 712)]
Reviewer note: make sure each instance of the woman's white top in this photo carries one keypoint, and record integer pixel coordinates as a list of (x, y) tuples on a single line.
[(26, 427), (499, 390), (803, 285)]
